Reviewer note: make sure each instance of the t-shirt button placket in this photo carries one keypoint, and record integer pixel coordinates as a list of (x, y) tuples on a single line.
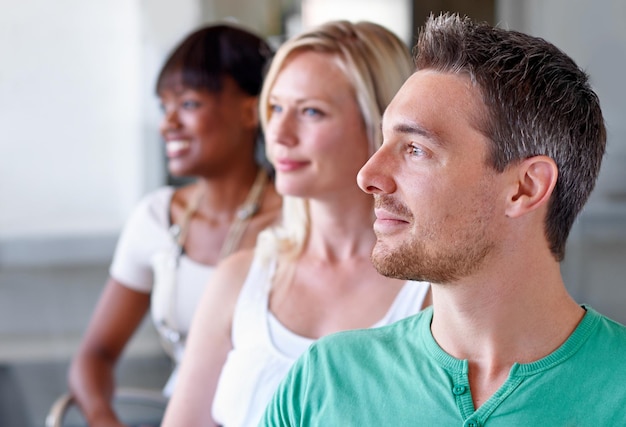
[(459, 390)]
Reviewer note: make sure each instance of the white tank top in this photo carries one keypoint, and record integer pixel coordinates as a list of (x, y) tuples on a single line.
[(264, 349)]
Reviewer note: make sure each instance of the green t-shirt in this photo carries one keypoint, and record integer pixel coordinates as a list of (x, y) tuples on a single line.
[(397, 375)]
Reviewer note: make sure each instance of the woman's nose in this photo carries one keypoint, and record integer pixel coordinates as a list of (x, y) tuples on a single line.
[(170, 120), (281, 129)]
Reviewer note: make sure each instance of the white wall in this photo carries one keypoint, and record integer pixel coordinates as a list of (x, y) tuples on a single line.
[(393, 14), (71, 158)]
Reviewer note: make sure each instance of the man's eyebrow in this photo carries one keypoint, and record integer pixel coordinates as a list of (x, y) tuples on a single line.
[(416, 129)]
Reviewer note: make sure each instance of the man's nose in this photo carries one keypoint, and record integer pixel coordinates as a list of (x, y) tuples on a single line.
[(375, 177)]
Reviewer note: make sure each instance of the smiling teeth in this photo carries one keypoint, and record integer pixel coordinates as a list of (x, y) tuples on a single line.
[(175, 146)]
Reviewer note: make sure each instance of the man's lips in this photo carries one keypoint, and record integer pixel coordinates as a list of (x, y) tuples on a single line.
[(388, 222), (385, 215)]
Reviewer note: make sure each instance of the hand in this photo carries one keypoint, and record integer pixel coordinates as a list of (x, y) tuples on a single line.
[(107, 422)]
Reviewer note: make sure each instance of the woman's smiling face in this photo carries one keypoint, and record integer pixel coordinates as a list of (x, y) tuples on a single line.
[(204, 131)]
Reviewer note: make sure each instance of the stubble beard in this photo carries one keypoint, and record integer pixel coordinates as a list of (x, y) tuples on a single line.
[(411, 259)]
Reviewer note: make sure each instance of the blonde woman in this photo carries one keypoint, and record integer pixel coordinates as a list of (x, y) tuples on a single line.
[(321, 107)]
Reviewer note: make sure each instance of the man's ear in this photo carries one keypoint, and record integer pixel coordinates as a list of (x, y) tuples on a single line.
[(250, 112), (534, 182)]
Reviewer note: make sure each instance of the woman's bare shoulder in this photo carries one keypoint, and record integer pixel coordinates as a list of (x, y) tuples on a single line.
[(231, 272)]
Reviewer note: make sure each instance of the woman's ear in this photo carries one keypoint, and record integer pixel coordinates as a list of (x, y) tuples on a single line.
[(534, 182)]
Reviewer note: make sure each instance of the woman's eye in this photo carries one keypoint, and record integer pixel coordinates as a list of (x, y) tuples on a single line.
[(311, 112), (190, 104), (167, 108), (275, 108)]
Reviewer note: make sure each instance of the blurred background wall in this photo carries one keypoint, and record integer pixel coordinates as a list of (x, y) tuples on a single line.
[(79, 143)]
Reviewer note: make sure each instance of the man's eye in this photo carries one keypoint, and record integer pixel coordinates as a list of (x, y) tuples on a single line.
[(416, 151)]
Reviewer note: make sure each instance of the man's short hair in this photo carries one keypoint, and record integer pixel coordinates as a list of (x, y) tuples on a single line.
[(537, 102)]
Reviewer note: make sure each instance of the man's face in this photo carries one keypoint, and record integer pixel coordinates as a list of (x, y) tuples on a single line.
[(437, 201)]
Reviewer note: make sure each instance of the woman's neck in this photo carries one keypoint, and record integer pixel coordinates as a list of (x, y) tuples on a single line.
[(341, 230), (225, 194)]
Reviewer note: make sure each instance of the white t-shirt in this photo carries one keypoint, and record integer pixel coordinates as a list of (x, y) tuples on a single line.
[(264, 349), (145, 236)]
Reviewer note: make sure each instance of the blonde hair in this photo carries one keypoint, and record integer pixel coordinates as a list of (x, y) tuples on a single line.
[(377, 63)]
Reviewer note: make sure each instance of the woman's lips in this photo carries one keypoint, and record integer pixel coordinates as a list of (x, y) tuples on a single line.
[(175, 148), (287, 165)]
